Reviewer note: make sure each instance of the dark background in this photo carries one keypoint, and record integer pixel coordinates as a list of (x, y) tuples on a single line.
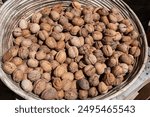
[(140, 7)]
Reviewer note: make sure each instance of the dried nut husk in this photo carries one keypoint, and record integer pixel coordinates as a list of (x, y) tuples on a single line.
[(23, 67), (79, 75), (73, 52), (61, 56), (83, 94), (68, 75), (83, 84), (36, 17), (77, 21), (97, 35), (17, 61), (89, 70), (34, 27), (57, 83), (39, 86), (75, 30), (46, 65), (94, 80), (51, 43), (109, 79), (93, 92), (34, 75), (23, 24), (89, 28), (124, 67), (33, 63), (66, 84), (102, 88), (40, 55), (9, 67), (90, 59), (113, 61), (125, 58), (23, 52), (55, 15), (123, 48), (135, 51), (73, 67), (17, 32), (49, 94), (89, 40), (59, 71), (117, 70), (60, 94), (18, 75), (100, 68), (71, 94), (107, 50), (54, 64), (43, 35), (26, 43), (26, 85)]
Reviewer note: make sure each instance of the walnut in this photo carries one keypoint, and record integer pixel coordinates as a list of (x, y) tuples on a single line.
[(93, 92), (102, 88), (83, 84), (83, 94), (49, 94)]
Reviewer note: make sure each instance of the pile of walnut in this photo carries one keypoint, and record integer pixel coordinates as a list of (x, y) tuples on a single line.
[(77, 52)]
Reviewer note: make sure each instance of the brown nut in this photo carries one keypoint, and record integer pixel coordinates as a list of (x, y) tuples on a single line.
[(71, 94), (117, 70), (83, 84), (73, 52), (68, 75), (55, 15), (61, 56), (46, 27), (40, 55), (118, 80), (107, 50), (112, 18), (100, 68), (94, 80), (134, 34), (58, 28), (36, 17), (89, 28), (9, 67), (126, 58), (89, 70), (46, 65), (49, 94), (32, 54), (34, 27), (60, 94), (50, 42), (109, 79), (73, 67), (54, 64), (96, 17), (135, 51), (89, 40), (32, 63), (26, 85), (78, 21), (34, 75), (57, 83), (23, 52), (67, 26), (105, 20), (124, 67), (102, 88), (110, 32), (123, 48), (69, 15), (43, 35), (18, 40), (122, 28), (17, 61), (83, 32), (77, 41), (23, 24), (112, 26), (66, 84), (90, 59), (60, 70), (75, 30), (23, 67), (46, 76), (79, 75), (26, 33), (88, 18), (34, 47), (26, 43), (97, 35), (39, 86), (17, 32), (83, 94), (93, 92), (113, 61), (18, 75)]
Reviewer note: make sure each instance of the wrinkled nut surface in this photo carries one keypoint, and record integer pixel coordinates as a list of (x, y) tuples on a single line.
[(74, 52)]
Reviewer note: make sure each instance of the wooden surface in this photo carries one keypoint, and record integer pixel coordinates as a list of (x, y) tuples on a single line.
[(144, 93)]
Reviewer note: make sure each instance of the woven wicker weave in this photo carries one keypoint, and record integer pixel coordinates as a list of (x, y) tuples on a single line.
[(13, 10)]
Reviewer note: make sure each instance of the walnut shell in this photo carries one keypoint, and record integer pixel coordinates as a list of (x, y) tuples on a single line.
[(79, 75), (34, 75), (59, 71), (46, 65), (61, 56), (83, 94), (68, 75), (93, 92), (100, 68), (18, 75), (9, 67), (32, 63), (102, 88), (89, 70), (107, 50), (57, 83), (26, 85), (60, 94), (83, 84), (17, 61), (66, 84), (94, 80), (49, 94), (71, 94), (73, 67), (73, 52), (109, 79)]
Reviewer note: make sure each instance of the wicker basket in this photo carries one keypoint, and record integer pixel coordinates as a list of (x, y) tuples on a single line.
[(13, 10)]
